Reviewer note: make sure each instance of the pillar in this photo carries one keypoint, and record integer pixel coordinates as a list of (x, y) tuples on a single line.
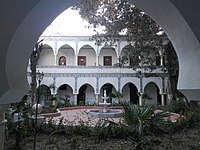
[(163, 99), (161, 60), (76, 60), (141, 103), (2, 125), (97, 99), (55, 59), (75, 99), (97, 60)]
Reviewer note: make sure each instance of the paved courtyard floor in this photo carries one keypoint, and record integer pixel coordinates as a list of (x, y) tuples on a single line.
[(77, 116), (81, 116)]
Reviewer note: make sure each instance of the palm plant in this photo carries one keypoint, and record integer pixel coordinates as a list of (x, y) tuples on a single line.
[(143, 120), (118, 95)]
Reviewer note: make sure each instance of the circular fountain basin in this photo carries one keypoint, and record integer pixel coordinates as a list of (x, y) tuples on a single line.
[(104, 104), (109, 113)]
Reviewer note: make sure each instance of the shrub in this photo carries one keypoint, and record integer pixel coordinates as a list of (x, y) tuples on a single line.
[(142, 120), (177, 106)]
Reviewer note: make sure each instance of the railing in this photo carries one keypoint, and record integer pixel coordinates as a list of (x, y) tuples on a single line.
[(99, 71)]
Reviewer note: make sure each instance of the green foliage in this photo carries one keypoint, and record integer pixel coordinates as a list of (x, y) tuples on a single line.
[(23, 123), (196, 115), (123, 20), (118, 95), (143, 120), (110, 129), (177, 106)]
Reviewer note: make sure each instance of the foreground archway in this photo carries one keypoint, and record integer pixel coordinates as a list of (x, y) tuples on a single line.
[(27, 32)]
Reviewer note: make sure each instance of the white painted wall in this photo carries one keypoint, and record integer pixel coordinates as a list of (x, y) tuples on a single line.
[(90, 55), (46, 57)]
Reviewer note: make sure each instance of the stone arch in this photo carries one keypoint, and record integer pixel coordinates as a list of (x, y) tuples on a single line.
[(111, 53), (68, 52), (86, 95), (65, 91), (109, 89), (89, 53), (130, 93), (123, 51), (45, 95), (152, 91), (46, 56), (185, 42), (61, 82)]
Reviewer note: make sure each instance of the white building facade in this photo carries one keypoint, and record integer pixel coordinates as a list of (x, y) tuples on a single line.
[(81, 70)]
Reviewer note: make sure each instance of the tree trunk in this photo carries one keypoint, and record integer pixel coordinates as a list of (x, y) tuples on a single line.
[(33, 63)]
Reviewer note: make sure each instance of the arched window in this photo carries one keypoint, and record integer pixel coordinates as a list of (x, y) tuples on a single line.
[(62, 60)]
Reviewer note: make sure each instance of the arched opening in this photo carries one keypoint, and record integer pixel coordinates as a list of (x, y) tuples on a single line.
[(108, 88), (46, 56), (15, 83), (152, 94), (86, 56), (130, 93), (64, 95), (108, 56), (134, 98), (66, 55), (81, 97), (44, 95)]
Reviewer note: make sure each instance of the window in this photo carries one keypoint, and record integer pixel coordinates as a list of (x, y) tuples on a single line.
[(107, 61), (62, 60), (82, 60)]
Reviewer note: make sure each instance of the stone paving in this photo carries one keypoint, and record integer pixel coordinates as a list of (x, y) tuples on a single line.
[(78, 115)]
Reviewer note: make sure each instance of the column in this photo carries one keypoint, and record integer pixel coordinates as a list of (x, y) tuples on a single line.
[(2, 125), (97, 55), (76, 60), (161, 52), (163, 99), (76, 55), (119, 83), (97, 99), (141, 103), (161, 60), (97, 60), (55, 53), (75, 99), (55, 59)]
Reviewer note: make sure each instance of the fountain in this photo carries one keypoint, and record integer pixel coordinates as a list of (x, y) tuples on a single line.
[(105, 113)]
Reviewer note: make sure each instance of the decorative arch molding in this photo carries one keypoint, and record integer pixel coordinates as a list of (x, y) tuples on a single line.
[(135, 81), (86, 45), (179, 32), (57, 85), (51, 44), (111, 83), (46, 56), (81, 44), (130, 83), (157, 82), (111, 47), (86, 83), (62, 44), (45, 85), (153, 91)]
